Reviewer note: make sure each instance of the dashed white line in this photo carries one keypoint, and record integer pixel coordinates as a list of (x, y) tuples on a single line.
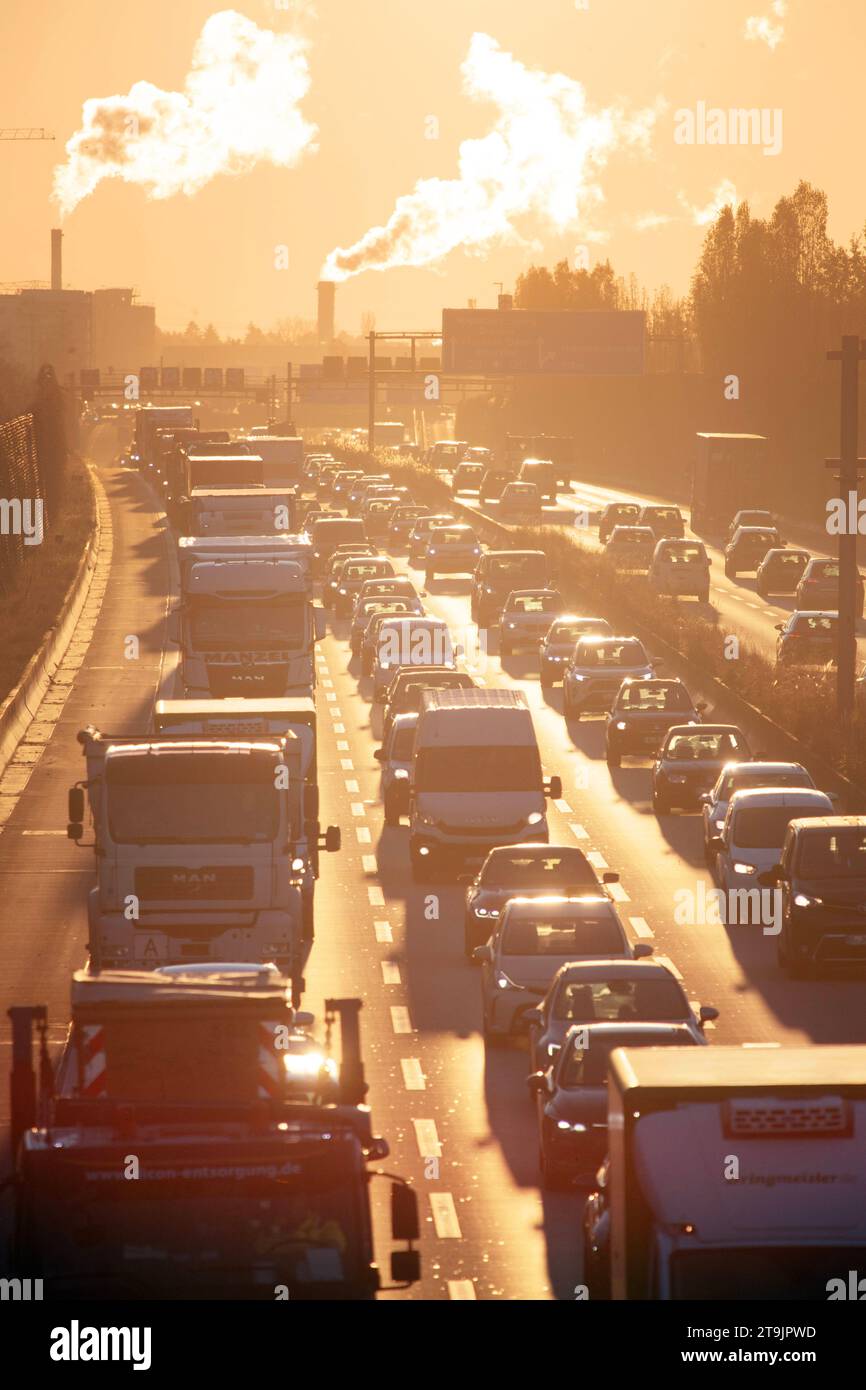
[(347, 765), (666, 960), (357, 808), (363, 834), (330, 694), (368, 863), (641, 927), (563, 807), (390, 972), (400, 1020), (383, 932), (596, 859), (342, 745), (375, 896), (413, 1076), (444, 1214), (328, 684), (352, 785), (338, 728), (618, 893), (578, 831), (427, 1138), (462, 1290)]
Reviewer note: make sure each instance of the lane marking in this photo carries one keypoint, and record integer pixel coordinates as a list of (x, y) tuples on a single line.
[(384, 935), (400, 1021), (666, 960), (352, 785), (390, 972), (641, 927), (445, 1216), (44, 832), (375, 896), (330, 694), (357, 808), (369, 863), (563, 807), (462, 1290), (617, 893), (334, 712), (342, 745), (328, 684), (597, 859), (363, 834), (427, 1138), (347, 765), (578, 831), (413, 1076), (338, 728)]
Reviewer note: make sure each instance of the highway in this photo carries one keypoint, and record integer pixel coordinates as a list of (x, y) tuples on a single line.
[(734, 604), (460, 1124)]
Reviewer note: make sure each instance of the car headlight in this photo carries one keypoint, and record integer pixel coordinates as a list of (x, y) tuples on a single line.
[(575, 676), (621, 724), (400, 774), (302, 1065), (489, 590), (344, 592), (573, 1128), (719, 824), (803, 900), (510, 624), (744, 868), (503, 981), (535, 818)]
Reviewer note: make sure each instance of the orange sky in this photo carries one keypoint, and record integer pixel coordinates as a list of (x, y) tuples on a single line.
[(379, 70)]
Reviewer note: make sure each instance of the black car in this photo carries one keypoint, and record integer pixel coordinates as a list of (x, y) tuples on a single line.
[(822, 877), (524, 871), (690, 760), (642, 713), (663, 521), (572, 1095), (493, 484), (745, 551), (616, 514), (780, 571), (498, 573)]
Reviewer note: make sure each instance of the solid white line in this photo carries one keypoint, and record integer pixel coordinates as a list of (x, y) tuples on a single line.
[(462, 1290), (413, 1076), (427, 1138), (445, 1216), (390, 972), (368, 863), (578, 831), (400, 1021), (375, 896), (641, 927), (363, 834), (383, 932)]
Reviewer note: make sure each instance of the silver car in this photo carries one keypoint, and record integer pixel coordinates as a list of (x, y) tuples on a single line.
[(597, 669), (736, 777), (395, 757)]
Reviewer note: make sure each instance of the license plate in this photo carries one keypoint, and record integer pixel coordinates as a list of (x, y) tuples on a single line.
[(150, 947)]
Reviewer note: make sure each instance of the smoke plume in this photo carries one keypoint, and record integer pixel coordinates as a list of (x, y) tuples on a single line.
[(542, 157), (239, 106)]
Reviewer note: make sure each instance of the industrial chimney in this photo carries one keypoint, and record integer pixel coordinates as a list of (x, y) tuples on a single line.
[(56, 259), (327, 292)]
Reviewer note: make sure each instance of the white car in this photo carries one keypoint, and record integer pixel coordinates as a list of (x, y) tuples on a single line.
[(630, 548), (395, 757), (681, 568), (597, 669), (739, 777), (526, 618), (755, 827), (410, 641)]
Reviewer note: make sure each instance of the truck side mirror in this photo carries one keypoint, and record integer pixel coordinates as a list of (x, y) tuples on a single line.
[(554, 788), (379, 754), (405, 1266), (333, 839), (75, 827), (404, 1212)]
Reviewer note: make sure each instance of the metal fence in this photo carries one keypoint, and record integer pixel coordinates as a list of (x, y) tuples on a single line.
[(20, 486)]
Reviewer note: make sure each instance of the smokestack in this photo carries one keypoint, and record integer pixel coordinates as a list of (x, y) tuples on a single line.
[(56, 259), (327, 294)]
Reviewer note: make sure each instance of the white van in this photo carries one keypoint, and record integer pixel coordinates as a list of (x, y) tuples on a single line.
[(476, 777)]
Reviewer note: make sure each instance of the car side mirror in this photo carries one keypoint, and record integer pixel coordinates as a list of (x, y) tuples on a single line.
[(705, 799), (538, 1083), (716, 841), (700, 706), (379, 754), (534, 1016), (780, 627), (610, 877), (770, 878), (483, 955), (642, 950), (707, 1013)]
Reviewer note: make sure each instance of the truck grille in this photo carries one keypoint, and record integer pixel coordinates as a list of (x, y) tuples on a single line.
[(210, 883), (266, 681)]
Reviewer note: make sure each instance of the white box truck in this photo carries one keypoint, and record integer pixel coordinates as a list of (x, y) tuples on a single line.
[(247, 511), (283, 457), (476, 777), (736, 1173), (205, 849)]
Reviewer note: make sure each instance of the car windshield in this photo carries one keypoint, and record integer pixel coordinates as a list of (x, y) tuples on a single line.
[(663, 514), (819, 626), (359, 570), (790, 561), (833, 853), (553, 873), (705, 747), (567, 634), (603, 654), (451, 538), (824, 569), (692, 555), (483, 768), (624, 510), (659, 999), (757, 538), (588, 1066), (408, 643), (764, 827), (591, 931), (535, 603), (185, 798), (648, 697)]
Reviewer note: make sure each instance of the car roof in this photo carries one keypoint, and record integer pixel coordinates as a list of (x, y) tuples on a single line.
[(779, 796), (594, 639), (762, 765), (830, 823), (555, 905), (539, 850), (617, 968), (405, 719), (700, 729), (631, 1029), (815, 613)]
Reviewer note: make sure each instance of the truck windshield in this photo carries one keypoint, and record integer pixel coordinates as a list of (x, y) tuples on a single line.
[(493, 768), (192, 798), (248, 624), (225, 1227), (790, 1272)]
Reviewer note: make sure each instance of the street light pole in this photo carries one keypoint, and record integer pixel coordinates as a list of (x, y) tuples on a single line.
[(852, 353), (371, 395)]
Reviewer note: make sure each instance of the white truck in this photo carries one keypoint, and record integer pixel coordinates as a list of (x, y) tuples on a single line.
[(283, 457), (246, 623), (476, 777), (206, 849), (735, 1173), (240, 511)]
